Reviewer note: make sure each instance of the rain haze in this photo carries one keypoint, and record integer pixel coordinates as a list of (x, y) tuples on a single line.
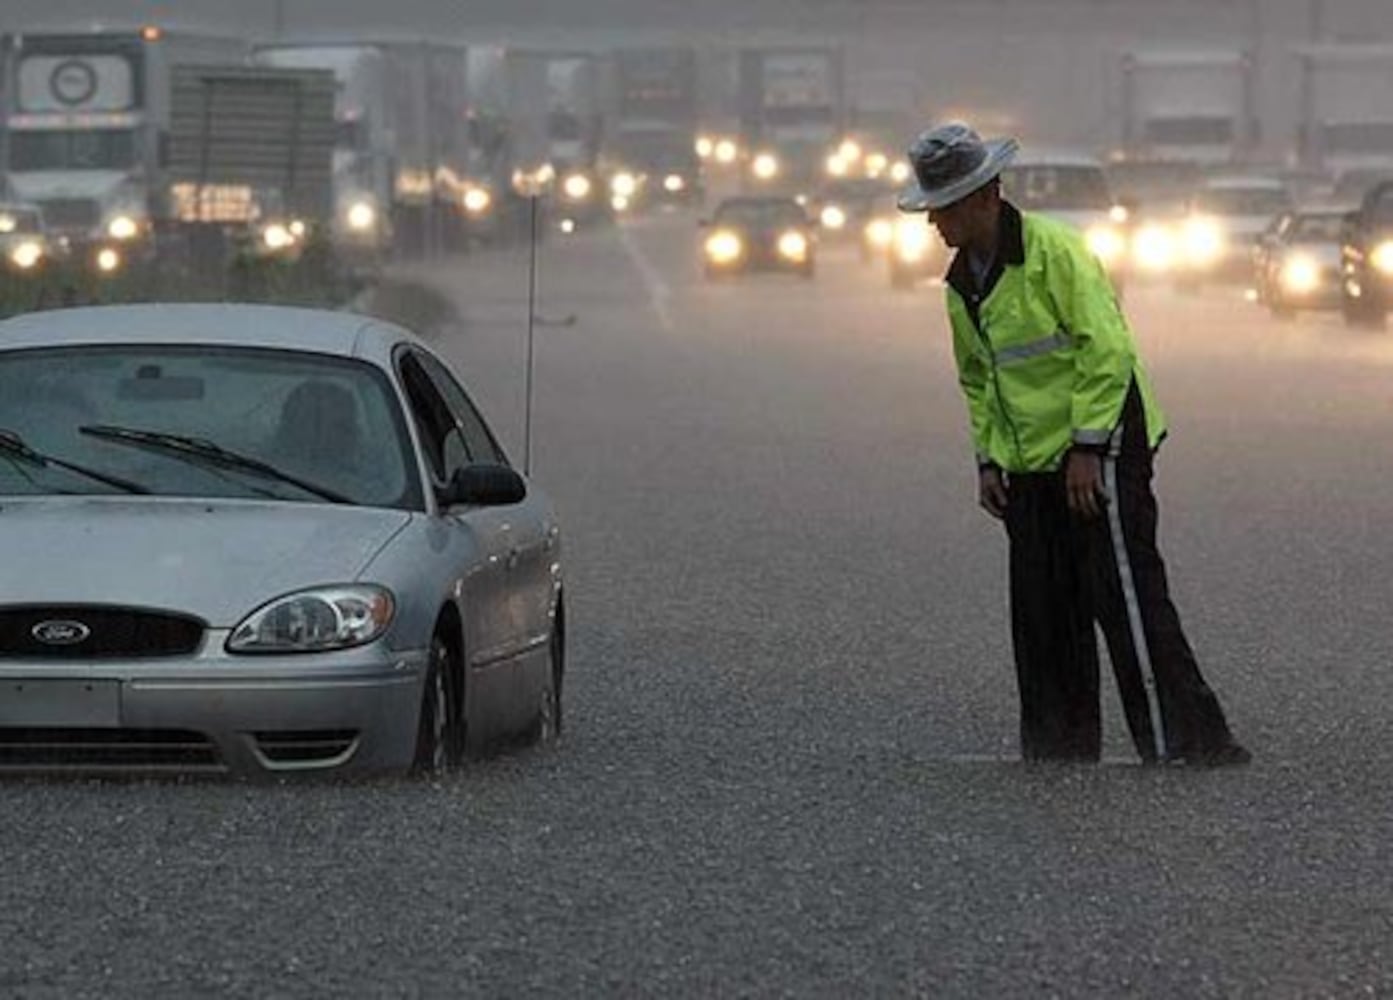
[(651, 498)]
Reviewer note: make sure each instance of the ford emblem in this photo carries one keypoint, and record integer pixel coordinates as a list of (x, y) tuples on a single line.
[(60, 633)]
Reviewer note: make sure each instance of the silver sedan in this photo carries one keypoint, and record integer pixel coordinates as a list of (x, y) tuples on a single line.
[(252, 540)]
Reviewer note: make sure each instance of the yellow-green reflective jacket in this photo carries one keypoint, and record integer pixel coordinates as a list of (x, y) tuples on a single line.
[(1045, 357)]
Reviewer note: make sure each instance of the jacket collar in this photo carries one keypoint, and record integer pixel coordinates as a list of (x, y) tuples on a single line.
[(1010, 250)]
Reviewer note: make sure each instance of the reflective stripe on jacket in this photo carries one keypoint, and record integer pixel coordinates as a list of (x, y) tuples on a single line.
[(1044, 355)]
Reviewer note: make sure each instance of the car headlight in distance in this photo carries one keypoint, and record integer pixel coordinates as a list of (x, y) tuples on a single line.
[(1382, 257), (477, 200), (26, 255), (899, 172), (911, 240), (1300, 275), (123, 227), (277, 236), (674, 183), (576, 187), (1119, 215), (361, 216), (833, 217), (620, 203), (1106, 243), (108, 260), (623, 184), (726, 151), (765, 166), (705, 147), (876, 164), (1153, 249), (1204, 241), (314, 621), (880, 232), (793, 245), (723, 247)]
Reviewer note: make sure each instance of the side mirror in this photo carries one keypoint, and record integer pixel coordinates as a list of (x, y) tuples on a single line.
[(484, 485)]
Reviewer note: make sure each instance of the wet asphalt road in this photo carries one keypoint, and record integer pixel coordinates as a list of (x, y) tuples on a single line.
[(789, 767)]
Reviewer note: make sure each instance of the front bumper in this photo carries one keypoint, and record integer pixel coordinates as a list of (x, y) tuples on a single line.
[(352, 712)]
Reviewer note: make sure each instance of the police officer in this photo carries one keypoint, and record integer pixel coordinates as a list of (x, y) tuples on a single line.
[(1065, 425)]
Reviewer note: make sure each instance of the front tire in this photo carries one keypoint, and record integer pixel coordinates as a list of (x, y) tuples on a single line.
[(438, 726), (547, 726)]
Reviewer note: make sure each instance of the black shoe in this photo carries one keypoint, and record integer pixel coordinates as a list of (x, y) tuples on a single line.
[(1225, 755)]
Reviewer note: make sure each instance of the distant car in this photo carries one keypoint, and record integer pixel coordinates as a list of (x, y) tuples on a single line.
[(759, 233), (1297, 262), (24, 242), (916, 252), (1366, 254), (261, 541), (844, 206), (1073, 188), (1226, 219)]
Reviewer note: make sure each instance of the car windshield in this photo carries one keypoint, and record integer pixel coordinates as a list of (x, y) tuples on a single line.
[(1243, 201), (1317, 228), (330, 422), (76, 149), (1062, 188), (761, 213)]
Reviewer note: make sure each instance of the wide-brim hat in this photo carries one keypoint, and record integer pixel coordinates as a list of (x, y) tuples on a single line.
[(950, 162)]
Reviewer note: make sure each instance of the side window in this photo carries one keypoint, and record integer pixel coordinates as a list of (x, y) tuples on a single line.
[(435, 424), (478, 440)]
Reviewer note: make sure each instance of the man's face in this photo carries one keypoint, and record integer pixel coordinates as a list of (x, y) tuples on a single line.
[(963, 221)]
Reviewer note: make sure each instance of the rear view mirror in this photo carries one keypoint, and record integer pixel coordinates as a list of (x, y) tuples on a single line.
[(484, 485)]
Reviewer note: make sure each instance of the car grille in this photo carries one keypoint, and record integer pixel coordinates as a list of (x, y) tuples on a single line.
[(103, 749), (310, 746), (111, 633), (71, 213)]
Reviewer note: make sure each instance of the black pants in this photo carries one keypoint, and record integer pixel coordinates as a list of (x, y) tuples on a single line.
[(1067, 573)]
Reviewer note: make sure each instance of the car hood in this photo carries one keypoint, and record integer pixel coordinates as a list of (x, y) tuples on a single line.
[(214, 559)]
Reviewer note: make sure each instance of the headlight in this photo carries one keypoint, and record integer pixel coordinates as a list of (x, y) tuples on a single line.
[(623, 184), (1382, 258), (880, 232), (911, 240), (1106, 244), (705, 147), (298, 229), (277, 236), (726, 151), (1204, 241), (123, 227), (1300, 275), (316, 620), (837, 165), (724, 246), (477, 201), (876, 164), (577, 187), (765, 166), (833, 217), (1153, 249), (1119, 215), (619, 202), (108, 260), (8, 223), (793, 245), (27, 255), (899, 173), (673, 183), (361, 216)]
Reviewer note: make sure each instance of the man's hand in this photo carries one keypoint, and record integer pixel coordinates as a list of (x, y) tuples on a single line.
[(1083, 482), (991, 491)]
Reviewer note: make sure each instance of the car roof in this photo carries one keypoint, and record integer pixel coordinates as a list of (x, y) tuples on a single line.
[(318, 331), (1253, 183)]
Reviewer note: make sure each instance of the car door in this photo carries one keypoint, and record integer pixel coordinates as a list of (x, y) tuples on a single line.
[(479, 541), (534, 534)]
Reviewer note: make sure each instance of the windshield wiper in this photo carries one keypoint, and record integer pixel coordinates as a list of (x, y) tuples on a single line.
[(13, 446), (200, 449)]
